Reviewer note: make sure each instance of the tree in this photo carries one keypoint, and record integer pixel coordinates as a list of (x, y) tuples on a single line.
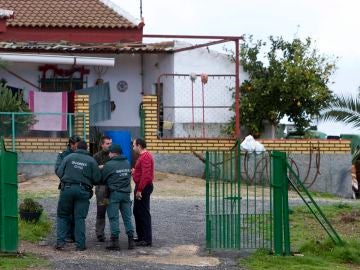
[(14, 103), (343, 109), (291, 80)]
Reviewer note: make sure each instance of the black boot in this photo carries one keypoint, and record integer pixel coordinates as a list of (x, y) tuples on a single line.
[(131, 242), (114, 244)]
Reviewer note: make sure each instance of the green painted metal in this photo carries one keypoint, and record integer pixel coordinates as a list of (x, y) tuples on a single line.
[(298, 186), (8, 200), (142, 122), (247, 201), (14, 119), (238, 201), (281, 204)]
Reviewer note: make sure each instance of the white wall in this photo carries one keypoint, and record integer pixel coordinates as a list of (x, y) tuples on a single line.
[(127, 67), (216, 91)]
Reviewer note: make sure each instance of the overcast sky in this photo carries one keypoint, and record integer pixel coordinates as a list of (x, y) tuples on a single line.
[(333, 24)]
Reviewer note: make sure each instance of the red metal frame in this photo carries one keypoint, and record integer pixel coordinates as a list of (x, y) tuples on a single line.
[(219, 40)]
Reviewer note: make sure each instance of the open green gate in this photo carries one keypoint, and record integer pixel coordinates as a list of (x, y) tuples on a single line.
[(247, 201)]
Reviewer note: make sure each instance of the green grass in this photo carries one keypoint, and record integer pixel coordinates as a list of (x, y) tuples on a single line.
[(23, 261), (37, 195), (34, 232), (31, 232), (323, 195), (310, 240)]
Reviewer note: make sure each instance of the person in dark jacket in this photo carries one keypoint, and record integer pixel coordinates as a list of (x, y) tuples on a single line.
[(116, 175), (71, 148), (78, 173), (101, 191)]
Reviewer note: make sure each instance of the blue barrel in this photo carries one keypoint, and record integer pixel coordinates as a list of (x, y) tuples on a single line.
[(122, 138)]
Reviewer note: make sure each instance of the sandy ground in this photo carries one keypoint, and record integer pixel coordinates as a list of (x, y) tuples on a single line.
[(177, 244), (167, 185)]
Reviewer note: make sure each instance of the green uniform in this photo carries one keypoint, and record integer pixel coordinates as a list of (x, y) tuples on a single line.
[(59, 159), (61, 156), (116, 174), (78, 173), (102, 195)]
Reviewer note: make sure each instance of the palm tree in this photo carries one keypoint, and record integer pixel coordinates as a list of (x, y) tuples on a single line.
[(343, 109), (346, 110)]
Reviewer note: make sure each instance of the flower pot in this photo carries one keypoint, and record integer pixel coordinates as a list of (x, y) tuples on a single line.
[(30, 216)]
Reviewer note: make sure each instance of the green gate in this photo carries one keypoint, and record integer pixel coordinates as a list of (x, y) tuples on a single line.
[(240, 196), (8, 200), (247, 201)]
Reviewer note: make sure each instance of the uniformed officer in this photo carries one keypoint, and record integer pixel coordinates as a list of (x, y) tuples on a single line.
[(71, 148), (101, 191), (116, 175), (78, 173)]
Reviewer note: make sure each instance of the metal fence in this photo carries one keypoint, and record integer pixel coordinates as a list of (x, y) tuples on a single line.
[(246, 201), (195, 105), (16, 125)]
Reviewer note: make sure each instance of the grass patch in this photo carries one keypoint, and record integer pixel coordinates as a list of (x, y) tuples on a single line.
[(22, 261), (323, 195), (34, 232), (37, 195), (309, 238)]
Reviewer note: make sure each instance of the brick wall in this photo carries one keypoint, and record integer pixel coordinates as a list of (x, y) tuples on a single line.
[(176, 145), (82, 105), (37, 144)]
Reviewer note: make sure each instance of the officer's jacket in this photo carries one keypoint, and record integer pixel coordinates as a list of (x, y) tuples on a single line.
[(79, 167), (116, 174), (61, 156)]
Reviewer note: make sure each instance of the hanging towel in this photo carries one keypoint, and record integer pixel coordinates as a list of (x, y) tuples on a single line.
[(99, 96), (46, 102)]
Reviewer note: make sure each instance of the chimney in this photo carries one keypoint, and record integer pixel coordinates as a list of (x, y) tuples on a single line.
[(4, 15)]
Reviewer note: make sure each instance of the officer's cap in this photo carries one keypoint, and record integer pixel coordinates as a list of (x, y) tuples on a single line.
[(115, 148), (74, 139)]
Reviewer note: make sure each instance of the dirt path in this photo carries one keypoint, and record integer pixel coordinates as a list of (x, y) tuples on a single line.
[(178, 214)]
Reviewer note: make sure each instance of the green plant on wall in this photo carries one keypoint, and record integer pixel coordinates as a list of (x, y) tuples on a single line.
[(10, 102)]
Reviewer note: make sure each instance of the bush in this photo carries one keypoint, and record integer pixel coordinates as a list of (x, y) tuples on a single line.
[(29, 205), (14, 103)]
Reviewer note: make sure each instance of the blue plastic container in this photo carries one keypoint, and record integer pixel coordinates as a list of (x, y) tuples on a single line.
[(122, 138)]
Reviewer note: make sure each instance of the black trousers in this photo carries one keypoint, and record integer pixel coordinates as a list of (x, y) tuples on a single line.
[(142, 214)]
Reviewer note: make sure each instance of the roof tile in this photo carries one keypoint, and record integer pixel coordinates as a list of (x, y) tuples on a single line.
[(64, 13)]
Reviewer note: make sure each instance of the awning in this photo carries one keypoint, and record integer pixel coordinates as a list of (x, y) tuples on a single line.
[(57, 59)]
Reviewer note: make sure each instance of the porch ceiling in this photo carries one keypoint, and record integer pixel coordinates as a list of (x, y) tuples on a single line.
[(61, 47)]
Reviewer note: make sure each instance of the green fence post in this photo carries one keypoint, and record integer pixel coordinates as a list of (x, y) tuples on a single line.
[(286, 208), (207, 222), (13, 131), (70, 124), (142, 123), (278, 175), (84, 126)]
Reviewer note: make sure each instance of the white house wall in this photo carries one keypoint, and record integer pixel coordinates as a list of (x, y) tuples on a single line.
[(217, 92), (127, 68), (126, 114)]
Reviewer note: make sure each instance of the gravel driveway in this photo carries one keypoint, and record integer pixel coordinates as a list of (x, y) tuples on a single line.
[(178, 241)]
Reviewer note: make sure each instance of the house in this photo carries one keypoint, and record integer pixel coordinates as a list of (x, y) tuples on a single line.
[(99, 28), (51, 46)]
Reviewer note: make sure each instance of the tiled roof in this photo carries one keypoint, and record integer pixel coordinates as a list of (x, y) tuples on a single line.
[(67, 13), (162, 47)]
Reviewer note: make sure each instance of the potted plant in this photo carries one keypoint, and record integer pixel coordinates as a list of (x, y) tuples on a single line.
[(30, 210)]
